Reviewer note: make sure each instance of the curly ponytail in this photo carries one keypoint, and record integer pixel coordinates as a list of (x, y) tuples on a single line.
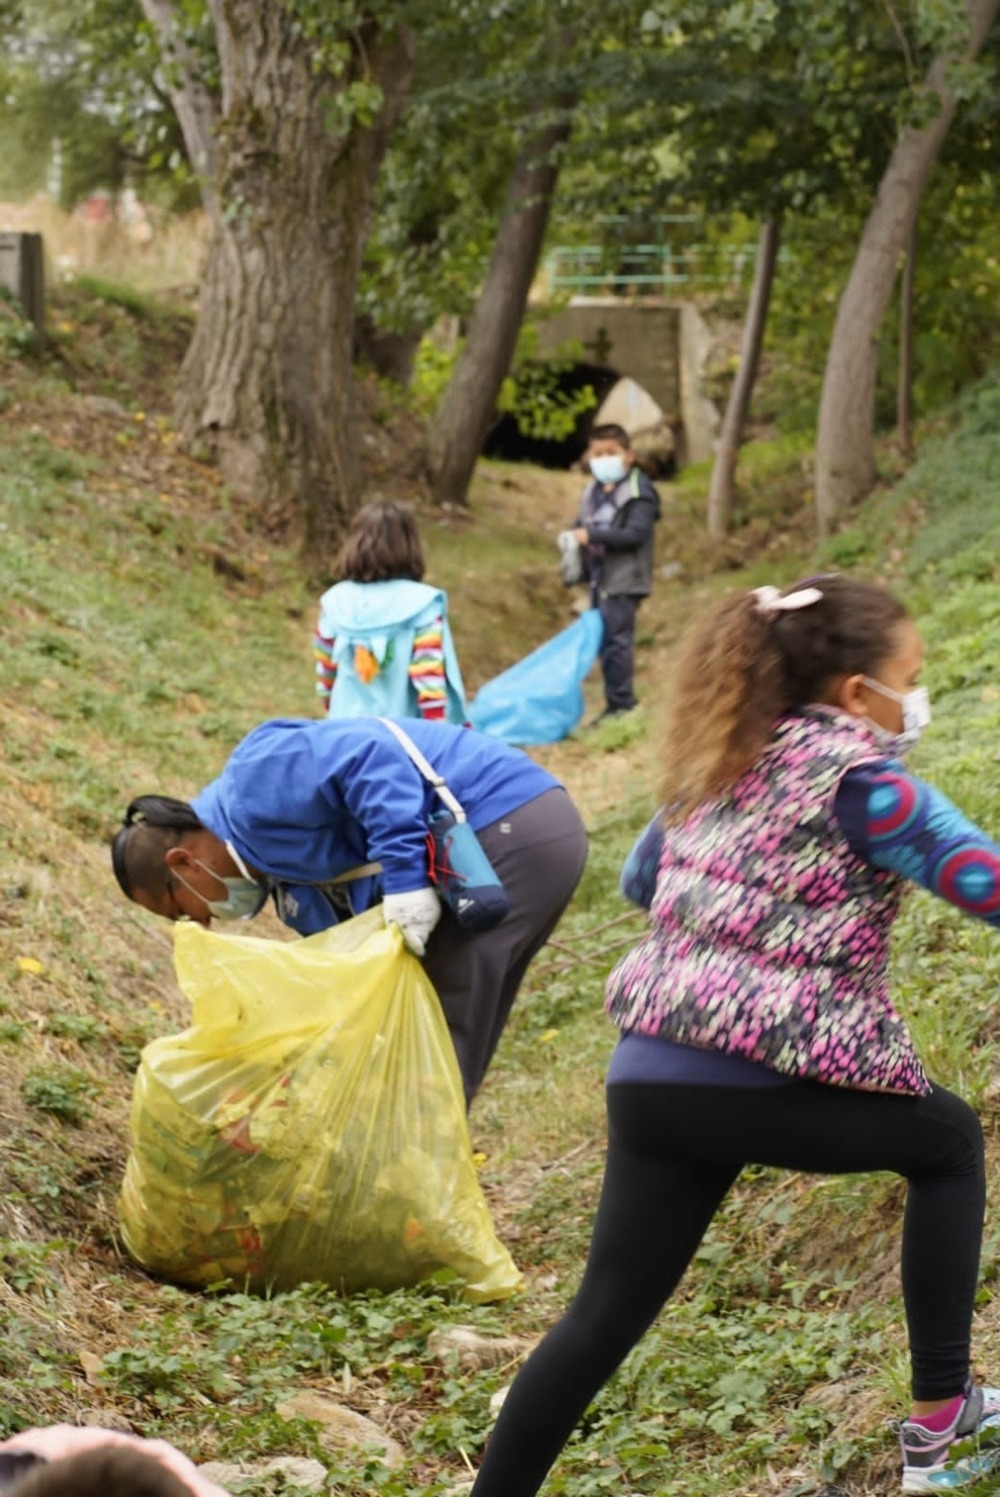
[(750, 659), (728, 688)]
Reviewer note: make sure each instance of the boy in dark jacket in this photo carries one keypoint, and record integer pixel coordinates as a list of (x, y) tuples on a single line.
[(615, 531)]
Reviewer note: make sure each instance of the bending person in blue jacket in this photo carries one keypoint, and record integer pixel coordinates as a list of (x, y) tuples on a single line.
[(302, 807)]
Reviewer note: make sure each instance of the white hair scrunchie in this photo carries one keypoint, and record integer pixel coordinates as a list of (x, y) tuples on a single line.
[(770, 600)]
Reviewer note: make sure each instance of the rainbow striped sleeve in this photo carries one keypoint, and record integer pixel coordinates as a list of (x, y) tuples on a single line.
[(427, 671), (326, 668)]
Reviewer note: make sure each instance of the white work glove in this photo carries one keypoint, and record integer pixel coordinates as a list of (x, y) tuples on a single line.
[(415, 913)]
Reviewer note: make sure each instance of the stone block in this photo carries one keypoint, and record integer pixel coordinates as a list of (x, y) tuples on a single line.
[(22, 272)]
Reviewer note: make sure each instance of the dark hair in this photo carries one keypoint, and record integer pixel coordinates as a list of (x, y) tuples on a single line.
[(151, 824), (111, 1470), (15, 1465), (382, 544), (741, 667), (105, 1471), (610, 431)]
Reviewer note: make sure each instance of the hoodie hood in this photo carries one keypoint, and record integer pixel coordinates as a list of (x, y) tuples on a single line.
[(379, 607)]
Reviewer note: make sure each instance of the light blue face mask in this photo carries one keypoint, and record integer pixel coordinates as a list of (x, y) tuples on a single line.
[(245, 896), (608, 468)]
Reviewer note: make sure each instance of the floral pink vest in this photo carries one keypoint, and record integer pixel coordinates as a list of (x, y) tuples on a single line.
[(769, 937)]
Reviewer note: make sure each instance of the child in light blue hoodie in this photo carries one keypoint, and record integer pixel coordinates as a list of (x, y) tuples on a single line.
[(383, 646)]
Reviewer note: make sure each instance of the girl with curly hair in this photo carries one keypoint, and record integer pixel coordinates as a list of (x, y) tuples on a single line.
[(756, 1024)]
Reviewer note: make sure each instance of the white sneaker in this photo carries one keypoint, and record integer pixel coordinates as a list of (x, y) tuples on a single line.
[(965, 1452)]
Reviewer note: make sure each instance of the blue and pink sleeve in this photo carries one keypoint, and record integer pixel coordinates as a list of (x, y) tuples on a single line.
[(904, 825)]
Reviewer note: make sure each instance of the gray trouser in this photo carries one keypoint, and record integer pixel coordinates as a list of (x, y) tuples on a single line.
[(538, 852), (617, 649)]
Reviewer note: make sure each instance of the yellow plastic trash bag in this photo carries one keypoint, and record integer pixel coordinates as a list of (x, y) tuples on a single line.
[(310, 1125)]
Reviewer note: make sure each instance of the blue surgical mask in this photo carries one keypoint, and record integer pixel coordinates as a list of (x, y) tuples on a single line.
[(608, 468), (916, 705), (245, 896)]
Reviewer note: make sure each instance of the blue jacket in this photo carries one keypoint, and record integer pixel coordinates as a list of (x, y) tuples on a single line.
[(304, 801)]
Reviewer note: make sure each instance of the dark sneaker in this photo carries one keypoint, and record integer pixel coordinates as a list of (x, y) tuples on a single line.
[(964, 1453), (610, 713)]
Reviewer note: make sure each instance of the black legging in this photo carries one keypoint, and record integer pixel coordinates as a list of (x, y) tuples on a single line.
[(673, 1153)]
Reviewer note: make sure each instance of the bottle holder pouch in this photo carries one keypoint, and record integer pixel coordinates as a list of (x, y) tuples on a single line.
[(463, 875), (457, 866)]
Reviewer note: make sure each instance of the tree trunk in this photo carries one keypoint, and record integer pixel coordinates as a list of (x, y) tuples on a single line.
[(904, 392), (267, 385), (720, 493), (463, 417), (845, 443), (391, 355)]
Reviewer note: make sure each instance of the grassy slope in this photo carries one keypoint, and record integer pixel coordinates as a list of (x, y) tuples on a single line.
[(147, 623)]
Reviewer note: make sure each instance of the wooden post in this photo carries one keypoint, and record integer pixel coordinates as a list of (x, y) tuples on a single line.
[(22, 272)]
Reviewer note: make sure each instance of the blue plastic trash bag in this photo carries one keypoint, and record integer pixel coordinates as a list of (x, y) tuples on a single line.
[(540, 699)]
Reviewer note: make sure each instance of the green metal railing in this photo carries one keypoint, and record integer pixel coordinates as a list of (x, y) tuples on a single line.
[(620, 269)]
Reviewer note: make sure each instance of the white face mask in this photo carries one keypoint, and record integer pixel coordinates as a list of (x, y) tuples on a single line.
[(916, 705), (608, 468)]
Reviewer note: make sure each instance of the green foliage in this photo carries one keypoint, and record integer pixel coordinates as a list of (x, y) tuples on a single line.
[(243, 1355), (62, 1092), (18, 336), (531, 393), (101, 293), (695, 109), (437, 198), (752, 1357), (27, 1266), (83, 1028), (483, 75), (939, 525), (619, 731), (84, 76), (818, 249), (432, 369), (796, 103)]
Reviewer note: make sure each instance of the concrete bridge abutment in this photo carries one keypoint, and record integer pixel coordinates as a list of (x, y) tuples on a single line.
[(661, 345)]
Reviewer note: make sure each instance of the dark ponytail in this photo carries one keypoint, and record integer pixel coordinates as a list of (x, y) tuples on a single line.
[(151, 824)]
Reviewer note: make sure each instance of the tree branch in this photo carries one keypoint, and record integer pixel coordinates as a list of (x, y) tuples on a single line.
[(195, 105)]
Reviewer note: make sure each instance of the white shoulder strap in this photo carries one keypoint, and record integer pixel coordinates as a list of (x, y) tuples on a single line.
[(429, 773)]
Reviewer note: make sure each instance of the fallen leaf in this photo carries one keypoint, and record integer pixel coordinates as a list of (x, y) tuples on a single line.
[(93, 1366)]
